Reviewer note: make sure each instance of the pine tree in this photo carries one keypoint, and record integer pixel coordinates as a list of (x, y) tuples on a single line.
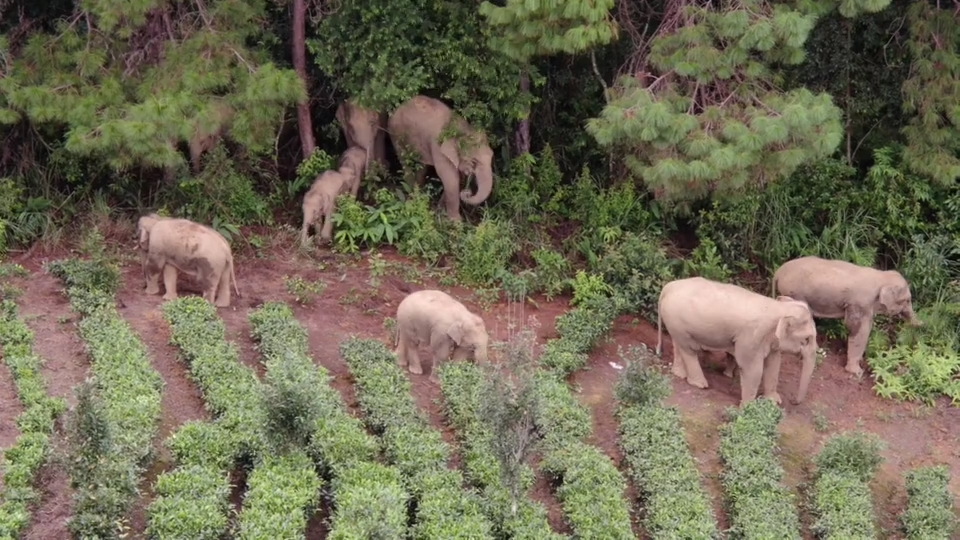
[(126, 81), (932, 93), (704, 112)]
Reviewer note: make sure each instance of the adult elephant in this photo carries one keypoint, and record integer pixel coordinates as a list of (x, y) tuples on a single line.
[(417, 125), (839, 289), (171, 245), (705, 315), (364, 128), (436, 318)]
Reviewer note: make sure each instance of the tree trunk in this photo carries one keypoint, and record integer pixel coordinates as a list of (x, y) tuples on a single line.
[(522, 135), (300, 66)]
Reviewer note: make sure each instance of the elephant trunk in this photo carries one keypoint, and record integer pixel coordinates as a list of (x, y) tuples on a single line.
[(911, 317), (806, 373), (484, 174)]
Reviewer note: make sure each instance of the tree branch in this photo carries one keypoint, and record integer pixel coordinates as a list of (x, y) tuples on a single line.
[(596, 71)]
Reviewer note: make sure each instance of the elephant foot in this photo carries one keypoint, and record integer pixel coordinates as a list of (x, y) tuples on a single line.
[(679, 371), (170, 296), (401, 360), (433, 377), (416, 370), (153, 290), (775, 396), (730, 372), (699, 383), (222, 303), (854, 369)]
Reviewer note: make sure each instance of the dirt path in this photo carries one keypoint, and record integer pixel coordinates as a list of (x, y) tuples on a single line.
[(47, 312)]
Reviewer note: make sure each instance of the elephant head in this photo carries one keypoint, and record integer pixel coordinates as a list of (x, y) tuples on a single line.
[(207, 130), (352, 166), (894, 298), (472, 156), (363, 128), (144, 226), (470, 334), (796, 333)]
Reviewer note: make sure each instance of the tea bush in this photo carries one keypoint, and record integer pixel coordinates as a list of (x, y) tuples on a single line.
[(461, 384), (656, 451), (129, 389), (192, 499), (22, 461), (443, 508), (759, 505), (842, 500), (591, 489), (303, 409), (281, 493), (929, 512)]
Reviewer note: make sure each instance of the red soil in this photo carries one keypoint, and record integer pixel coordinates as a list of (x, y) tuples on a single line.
[(355, 303)]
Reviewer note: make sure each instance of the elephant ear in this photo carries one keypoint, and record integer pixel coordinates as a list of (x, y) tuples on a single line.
[(455, 331), (449, 149), (785, 326), (888, 296)]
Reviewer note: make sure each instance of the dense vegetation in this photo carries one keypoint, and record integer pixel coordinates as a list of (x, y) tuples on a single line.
[(634, 143)]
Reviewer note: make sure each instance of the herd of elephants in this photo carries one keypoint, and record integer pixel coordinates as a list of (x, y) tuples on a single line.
[(699, 314)]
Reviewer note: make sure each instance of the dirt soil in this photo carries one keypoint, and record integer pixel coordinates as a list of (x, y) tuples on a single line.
[(355, 302)]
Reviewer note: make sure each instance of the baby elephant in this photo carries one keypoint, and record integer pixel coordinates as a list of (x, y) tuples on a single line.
[(705, 315), (171, 245), (320, 201), (437, 318)]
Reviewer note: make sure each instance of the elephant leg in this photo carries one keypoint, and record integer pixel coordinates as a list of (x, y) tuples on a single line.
[(401, 350), (686, 365), (152, 268), (326, 232), (460, 354), (750, 375), (859, 324), (731, 370), (413, 357), (421, 177), (441, 351), (223, 289), (450, 177), (170, 282), (771, 376), (303, 231)]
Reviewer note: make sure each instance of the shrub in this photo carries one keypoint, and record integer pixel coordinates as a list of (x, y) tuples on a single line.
[(929, 511), (371, 503), (281, 490), (637, 268), (759, 505), (192, 500), (22, 461), (591, 489), (842, 502), (124, 403), (462, 387), (656, 451), (444, 509)]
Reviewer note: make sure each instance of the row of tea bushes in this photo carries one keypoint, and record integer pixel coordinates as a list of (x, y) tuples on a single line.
[(591, 490), (112, 449), (444, 510), (841, 491), (22, 461), (306, 410), (929, 512), (461, 385), (281, 491), (759, 505), (192, 500), (658, 456)]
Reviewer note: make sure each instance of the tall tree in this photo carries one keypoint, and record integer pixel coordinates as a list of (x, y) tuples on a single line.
[(299, 45), (524, 29), (702, 110)]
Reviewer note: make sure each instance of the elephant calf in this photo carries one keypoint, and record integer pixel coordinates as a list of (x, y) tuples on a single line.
[(436, 318), (321, 199), (839, 289), (169, 245), (704, 315)]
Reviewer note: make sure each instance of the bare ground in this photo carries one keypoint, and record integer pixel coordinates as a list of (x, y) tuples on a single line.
[(357, 303)]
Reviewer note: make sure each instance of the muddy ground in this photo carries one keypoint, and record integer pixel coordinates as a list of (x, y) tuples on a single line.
[(355, 302)]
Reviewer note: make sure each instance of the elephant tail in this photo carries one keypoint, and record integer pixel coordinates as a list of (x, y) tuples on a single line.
[(233, 278), (659, 327)]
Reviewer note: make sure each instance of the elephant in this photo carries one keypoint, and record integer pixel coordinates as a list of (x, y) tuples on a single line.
[(417, 125), (364, 128), (171, 245), (705, 315), (444, 323), (321, 199), (201, 139), (835, 289)]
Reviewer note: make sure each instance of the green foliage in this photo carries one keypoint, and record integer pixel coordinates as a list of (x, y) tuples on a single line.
[(282, 491), (304, 292), (929, 511), (371, 503), (462, 385), (637, 268), (485, 251), (656, 451), (192, 499), (842, 500), (221, 192), (22, 461), (523, 30), (444, 509), (760, 506), (113, 438)]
